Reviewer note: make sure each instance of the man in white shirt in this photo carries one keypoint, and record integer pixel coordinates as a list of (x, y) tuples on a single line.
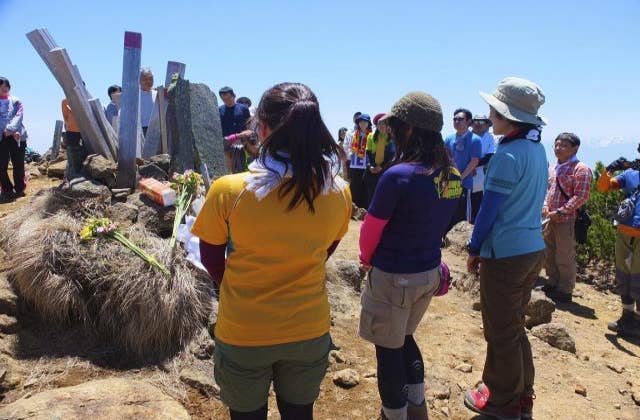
[(147, 98), (347, 143), (480, 127)]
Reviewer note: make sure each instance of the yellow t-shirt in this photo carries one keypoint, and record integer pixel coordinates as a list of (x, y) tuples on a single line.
[(273, 289)]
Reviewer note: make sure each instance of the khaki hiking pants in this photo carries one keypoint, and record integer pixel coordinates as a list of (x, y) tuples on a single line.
[(560, 255)]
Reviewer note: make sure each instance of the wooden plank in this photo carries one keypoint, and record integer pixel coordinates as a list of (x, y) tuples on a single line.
[(107, 130), (57, 137), (162, 117), (42, 46), (68, 76), (101, 145), (60, 68), (129, 111), (153, 138)]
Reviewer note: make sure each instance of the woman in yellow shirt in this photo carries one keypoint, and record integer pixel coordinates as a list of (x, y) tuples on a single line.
[(277, 223)]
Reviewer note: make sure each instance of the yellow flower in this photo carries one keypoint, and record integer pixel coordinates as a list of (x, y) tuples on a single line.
[(86, 233)]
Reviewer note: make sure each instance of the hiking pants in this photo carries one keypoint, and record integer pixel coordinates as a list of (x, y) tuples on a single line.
[(11, 150), (358, 188), (76, 154), (560, 255), (505, 290)]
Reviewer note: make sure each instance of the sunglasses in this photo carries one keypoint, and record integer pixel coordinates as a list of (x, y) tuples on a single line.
[(480, 122), (457, 119)]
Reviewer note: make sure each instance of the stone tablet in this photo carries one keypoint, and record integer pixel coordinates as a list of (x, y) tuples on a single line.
[(179, 127), (194, 130), (207, 131)]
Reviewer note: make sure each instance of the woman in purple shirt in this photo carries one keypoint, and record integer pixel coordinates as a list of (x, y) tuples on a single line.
[(400, 247)]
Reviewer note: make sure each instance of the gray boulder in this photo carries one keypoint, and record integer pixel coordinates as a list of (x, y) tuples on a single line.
[(101, 169), (123, 212), (82, 189), (101, 399), (556, 335), (154, 217), (151, 170), (539, 309), (162, 161)]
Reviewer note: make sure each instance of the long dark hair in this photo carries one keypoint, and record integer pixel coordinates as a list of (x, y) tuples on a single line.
[(422, 146), (298, 138)]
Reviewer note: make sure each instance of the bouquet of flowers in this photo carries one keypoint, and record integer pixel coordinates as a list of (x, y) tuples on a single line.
[(97, 227), (187, 186)]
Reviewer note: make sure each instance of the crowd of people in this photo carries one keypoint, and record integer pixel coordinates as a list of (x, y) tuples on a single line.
[(416, 186), (492, 171)]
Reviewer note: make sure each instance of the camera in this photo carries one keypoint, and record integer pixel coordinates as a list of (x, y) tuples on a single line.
[(623, 163)]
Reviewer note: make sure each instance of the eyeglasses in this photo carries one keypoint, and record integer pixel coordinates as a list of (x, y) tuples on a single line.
[(458, 119), (480, 122)]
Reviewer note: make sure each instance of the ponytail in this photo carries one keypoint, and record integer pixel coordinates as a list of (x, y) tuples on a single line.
[(300, 140)]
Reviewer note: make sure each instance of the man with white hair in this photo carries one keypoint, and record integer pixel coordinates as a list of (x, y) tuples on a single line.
[(147, 98)]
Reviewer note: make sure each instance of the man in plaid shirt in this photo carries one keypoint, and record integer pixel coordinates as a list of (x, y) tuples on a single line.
[(568, 190)]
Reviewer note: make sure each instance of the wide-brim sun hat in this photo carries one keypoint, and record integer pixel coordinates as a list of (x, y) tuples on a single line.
[(518, 100), (418, 109)]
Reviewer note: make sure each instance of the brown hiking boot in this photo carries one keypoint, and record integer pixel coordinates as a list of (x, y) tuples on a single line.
[(417, 412), (627, 326)]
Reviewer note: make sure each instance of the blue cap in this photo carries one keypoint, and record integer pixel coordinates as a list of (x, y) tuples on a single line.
[(364, 117)]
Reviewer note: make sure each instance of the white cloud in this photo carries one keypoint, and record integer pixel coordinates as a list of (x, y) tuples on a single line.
[(609, 141)]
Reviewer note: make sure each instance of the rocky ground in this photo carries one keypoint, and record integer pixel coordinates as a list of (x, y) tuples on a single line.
[(47, 372)]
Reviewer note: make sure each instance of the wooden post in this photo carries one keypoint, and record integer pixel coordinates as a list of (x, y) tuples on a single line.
[(68, 76), (42, 43), (162, 118), (153, 139), (107, 130), (129, 111), (57, 136)]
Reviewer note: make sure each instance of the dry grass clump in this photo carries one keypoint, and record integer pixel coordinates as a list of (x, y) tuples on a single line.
[(103, 285)]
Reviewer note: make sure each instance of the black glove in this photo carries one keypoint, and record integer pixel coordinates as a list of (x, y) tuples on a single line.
[(618, 165)]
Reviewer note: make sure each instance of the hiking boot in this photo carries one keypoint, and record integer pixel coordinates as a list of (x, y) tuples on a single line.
[(627, 326), (560, 297), (526, 405), (7, 198), (547, 288), (417, 412), (477, 400)]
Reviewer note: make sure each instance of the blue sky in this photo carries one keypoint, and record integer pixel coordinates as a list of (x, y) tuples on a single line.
[(354, 55)]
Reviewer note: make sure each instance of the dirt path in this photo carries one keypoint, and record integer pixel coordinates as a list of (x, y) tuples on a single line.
[(450, 335)]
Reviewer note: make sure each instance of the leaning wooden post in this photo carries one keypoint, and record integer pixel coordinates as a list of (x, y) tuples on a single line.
[(129, 111), (57, 136), (162, 118)]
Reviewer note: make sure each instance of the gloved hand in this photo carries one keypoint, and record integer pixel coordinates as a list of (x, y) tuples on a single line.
[(618, 165)]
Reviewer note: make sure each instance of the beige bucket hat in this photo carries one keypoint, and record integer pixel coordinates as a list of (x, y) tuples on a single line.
[(517, 99)]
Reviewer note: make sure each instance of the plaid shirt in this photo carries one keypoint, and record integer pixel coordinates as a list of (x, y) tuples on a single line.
[(575, 178)]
